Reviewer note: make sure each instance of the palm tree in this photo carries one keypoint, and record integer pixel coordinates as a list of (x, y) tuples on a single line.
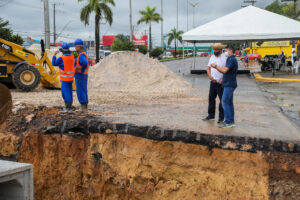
[(102, 11), (148, 16), (174, 35), (3, 23)]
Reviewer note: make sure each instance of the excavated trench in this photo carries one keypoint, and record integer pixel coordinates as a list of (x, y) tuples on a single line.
[(83, 156)]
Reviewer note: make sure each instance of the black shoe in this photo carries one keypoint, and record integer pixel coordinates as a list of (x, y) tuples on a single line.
[(84, 107), (208, 118), (220, 121), (68, 108)]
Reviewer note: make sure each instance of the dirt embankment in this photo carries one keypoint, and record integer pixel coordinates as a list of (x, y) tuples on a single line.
[(105, 165)]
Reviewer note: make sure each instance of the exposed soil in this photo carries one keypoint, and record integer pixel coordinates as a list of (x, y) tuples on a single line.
[(113, 166)]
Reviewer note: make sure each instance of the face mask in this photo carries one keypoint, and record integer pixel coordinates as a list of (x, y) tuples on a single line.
[(226, 54), (217, 53)]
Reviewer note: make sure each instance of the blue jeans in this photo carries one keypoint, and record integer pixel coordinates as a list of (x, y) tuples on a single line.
[(81, 87), (67, 91), (227, 102)]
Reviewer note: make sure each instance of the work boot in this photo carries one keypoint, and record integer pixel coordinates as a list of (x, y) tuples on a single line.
[(67, 108), (84, 107)]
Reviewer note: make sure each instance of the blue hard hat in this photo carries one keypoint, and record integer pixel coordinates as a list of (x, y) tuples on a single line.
[(78, 42), (65, 45)]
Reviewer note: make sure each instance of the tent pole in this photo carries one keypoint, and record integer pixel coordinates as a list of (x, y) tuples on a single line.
[(194, 55), (183, 50)]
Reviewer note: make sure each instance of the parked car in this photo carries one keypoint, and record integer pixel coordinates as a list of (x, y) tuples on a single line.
[(103, 54), (255, 57)]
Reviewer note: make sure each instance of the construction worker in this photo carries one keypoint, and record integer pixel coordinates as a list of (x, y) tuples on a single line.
[(81, 74), (67, 72)]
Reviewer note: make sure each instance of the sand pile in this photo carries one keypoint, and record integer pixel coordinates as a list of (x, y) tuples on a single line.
[(135, 72), (36, 48)]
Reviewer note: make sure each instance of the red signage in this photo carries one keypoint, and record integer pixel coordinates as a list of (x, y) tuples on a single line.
[(140, 39), (108, 40)]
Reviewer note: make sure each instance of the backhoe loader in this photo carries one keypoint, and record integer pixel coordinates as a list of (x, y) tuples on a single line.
[(21, 67)]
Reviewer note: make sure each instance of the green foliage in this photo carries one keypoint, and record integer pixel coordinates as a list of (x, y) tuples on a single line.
[(123, 38), (148, 16), (143, 49), (102, 10), (175, 35), (285, 9), (156, 52), (119, 45), (7, 34)]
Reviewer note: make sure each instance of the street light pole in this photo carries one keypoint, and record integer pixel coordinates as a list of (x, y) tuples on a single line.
[(47, 24), (162, 25), (187, 15), (194, 5), (130, 20)]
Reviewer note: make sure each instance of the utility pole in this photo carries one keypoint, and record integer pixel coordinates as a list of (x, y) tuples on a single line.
[(187, 15), (46, 24), (162, 25), (54, 26), (130, 19), (295, 7), (194, 5)]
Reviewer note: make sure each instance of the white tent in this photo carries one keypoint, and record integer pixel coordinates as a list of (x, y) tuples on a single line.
[(247, 24)]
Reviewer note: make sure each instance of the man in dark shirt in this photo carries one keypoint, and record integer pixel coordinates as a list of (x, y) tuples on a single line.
[(229, 84)]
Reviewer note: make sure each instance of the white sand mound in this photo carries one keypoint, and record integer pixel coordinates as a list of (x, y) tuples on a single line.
[(36, 48), (135, 72)]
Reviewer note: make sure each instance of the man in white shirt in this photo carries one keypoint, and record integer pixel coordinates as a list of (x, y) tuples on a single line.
[(215, 77)]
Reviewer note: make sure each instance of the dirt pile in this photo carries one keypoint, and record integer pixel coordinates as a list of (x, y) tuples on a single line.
[(36, 49), (135, 72)]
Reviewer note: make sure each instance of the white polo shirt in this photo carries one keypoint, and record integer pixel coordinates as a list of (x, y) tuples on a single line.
[(221, 62)]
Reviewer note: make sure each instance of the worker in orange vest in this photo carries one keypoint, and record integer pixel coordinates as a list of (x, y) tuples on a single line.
[(81, 75), (67, 72)]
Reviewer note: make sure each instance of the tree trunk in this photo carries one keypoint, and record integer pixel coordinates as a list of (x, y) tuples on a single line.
[(97, 36), (150, 37), (175, 53)]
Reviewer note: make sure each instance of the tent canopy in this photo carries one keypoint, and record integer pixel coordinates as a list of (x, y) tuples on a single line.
[(247, 24)]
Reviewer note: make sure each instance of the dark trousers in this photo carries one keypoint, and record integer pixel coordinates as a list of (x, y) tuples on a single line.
[(215, 90)]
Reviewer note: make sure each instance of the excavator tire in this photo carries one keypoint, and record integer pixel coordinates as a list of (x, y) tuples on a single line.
[(26, 77), (5, 103)]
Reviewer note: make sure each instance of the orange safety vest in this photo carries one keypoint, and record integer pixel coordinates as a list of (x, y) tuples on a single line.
[(69, 70), (79, 67)]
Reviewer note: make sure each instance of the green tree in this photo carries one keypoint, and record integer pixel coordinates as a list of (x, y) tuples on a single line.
[(120, 45), (143, 49), (283, 9), (102, 10), (175, 36), (123, 37), (7, 34), (156, 52), (148, 16)]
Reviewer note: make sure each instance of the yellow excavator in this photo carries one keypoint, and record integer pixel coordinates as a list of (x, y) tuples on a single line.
[(21, 67)]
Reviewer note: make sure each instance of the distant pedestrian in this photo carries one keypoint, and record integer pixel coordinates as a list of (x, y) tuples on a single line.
[(229, 84), (215, 77), (294, 55)]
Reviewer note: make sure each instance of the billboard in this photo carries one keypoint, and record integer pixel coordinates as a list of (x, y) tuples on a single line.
[(140, 39), (108, 40)]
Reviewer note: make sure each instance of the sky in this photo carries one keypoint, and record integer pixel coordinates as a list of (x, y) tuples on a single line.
[(27, 19)]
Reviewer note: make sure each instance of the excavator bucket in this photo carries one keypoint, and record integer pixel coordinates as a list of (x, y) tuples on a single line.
[(5, 103)]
